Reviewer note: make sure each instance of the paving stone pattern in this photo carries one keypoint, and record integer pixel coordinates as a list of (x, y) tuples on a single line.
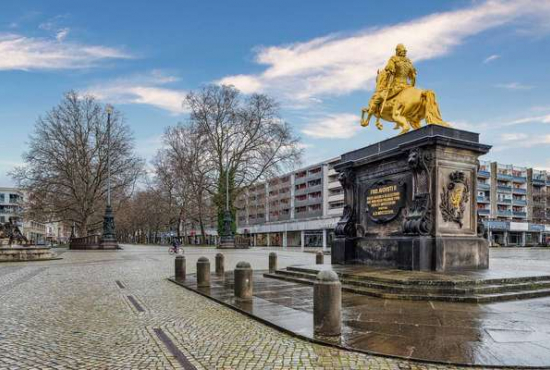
[(72, 314)]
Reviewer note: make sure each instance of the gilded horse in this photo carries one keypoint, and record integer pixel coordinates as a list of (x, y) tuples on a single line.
[(406, 108)]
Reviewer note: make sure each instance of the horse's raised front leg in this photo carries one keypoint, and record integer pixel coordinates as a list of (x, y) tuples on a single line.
[(365, 122)]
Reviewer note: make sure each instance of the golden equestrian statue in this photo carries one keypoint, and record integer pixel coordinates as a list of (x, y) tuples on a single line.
[(397, 100)]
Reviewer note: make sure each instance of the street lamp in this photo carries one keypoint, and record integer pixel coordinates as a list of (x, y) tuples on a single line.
[(227, 239), (108, 239)]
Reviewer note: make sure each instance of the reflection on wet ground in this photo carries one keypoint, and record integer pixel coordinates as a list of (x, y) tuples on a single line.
[(514, 333)]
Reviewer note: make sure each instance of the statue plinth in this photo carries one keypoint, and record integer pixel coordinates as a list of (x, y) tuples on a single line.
[(108, 238), (227, 239), (410, 203)]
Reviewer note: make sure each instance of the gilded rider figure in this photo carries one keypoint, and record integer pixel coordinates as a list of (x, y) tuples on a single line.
[(398, 74)]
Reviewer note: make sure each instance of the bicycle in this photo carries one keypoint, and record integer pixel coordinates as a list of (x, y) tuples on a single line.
[(175, 250)]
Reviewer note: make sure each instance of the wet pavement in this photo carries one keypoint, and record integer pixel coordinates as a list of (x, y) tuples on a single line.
[(115, 310), (514, 333)]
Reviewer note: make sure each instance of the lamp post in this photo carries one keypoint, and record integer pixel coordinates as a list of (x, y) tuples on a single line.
[(108, 239), (227, 239)]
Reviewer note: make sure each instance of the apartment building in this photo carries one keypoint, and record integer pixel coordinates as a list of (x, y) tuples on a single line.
[(11, 201), (297, 209), (514, 203)]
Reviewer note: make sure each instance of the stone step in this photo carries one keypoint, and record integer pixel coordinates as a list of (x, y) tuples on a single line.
[(431, 283), (406, 293), (432, 289)]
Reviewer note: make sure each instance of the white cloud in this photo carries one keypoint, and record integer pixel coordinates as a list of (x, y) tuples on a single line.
[(334, 126), (532, 119), (511, 137), (514, 86), (491, 58), (521, 140), (142, 89), (62, 34), (340, 64), (26, 53)]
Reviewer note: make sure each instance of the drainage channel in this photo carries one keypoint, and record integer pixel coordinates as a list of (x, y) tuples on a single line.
[(135, 303), (184, 362)]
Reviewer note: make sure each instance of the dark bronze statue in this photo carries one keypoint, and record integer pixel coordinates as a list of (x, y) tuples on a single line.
[(11, 231)]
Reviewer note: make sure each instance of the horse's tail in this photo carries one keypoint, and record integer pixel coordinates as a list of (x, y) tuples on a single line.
[(433, 116)]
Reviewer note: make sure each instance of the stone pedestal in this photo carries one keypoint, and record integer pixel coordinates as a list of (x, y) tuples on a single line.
[(243, 281), (327, 304), (272, 262), (220, 267), (203, 272), (180, 268), (19, 253), (410, 203)]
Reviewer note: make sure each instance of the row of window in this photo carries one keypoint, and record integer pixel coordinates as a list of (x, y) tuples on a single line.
[(312, 208)]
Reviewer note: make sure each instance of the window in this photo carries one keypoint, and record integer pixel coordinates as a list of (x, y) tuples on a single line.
[(2, 198), (15, 198), (2, 219), (301, 197), (315, 170), (300, 209), (315, 207), (301, 174), (315, 195)]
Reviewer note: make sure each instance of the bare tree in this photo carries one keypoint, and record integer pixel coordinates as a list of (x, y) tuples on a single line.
[(245, 140), (188, 162), (66, 163)]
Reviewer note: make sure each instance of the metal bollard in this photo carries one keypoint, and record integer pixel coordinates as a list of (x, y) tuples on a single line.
[(220, 269), (319, 258), (243, 281), (203, 272), (180, 267), (327, 304), (272, 262)]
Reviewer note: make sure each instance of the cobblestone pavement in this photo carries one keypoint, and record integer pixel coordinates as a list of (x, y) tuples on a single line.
[(104, 309)]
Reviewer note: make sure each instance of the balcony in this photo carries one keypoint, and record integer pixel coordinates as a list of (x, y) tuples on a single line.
[(504, 213), (504, 188), (482, 186), (504, 201), (483, 174), (519, 202), (519, 179), (520, 214), (519, 191), (501, 176), (538, 182), (484, 212), (483, 200)]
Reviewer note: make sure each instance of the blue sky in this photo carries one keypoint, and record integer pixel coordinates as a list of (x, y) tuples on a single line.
[(487, 61)]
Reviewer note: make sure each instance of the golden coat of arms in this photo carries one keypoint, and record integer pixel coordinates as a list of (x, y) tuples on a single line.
[(454, 198)]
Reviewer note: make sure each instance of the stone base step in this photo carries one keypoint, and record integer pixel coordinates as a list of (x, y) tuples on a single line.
[(484, 291)]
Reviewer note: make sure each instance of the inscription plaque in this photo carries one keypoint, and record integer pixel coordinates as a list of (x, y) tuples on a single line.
[(384, 201)]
